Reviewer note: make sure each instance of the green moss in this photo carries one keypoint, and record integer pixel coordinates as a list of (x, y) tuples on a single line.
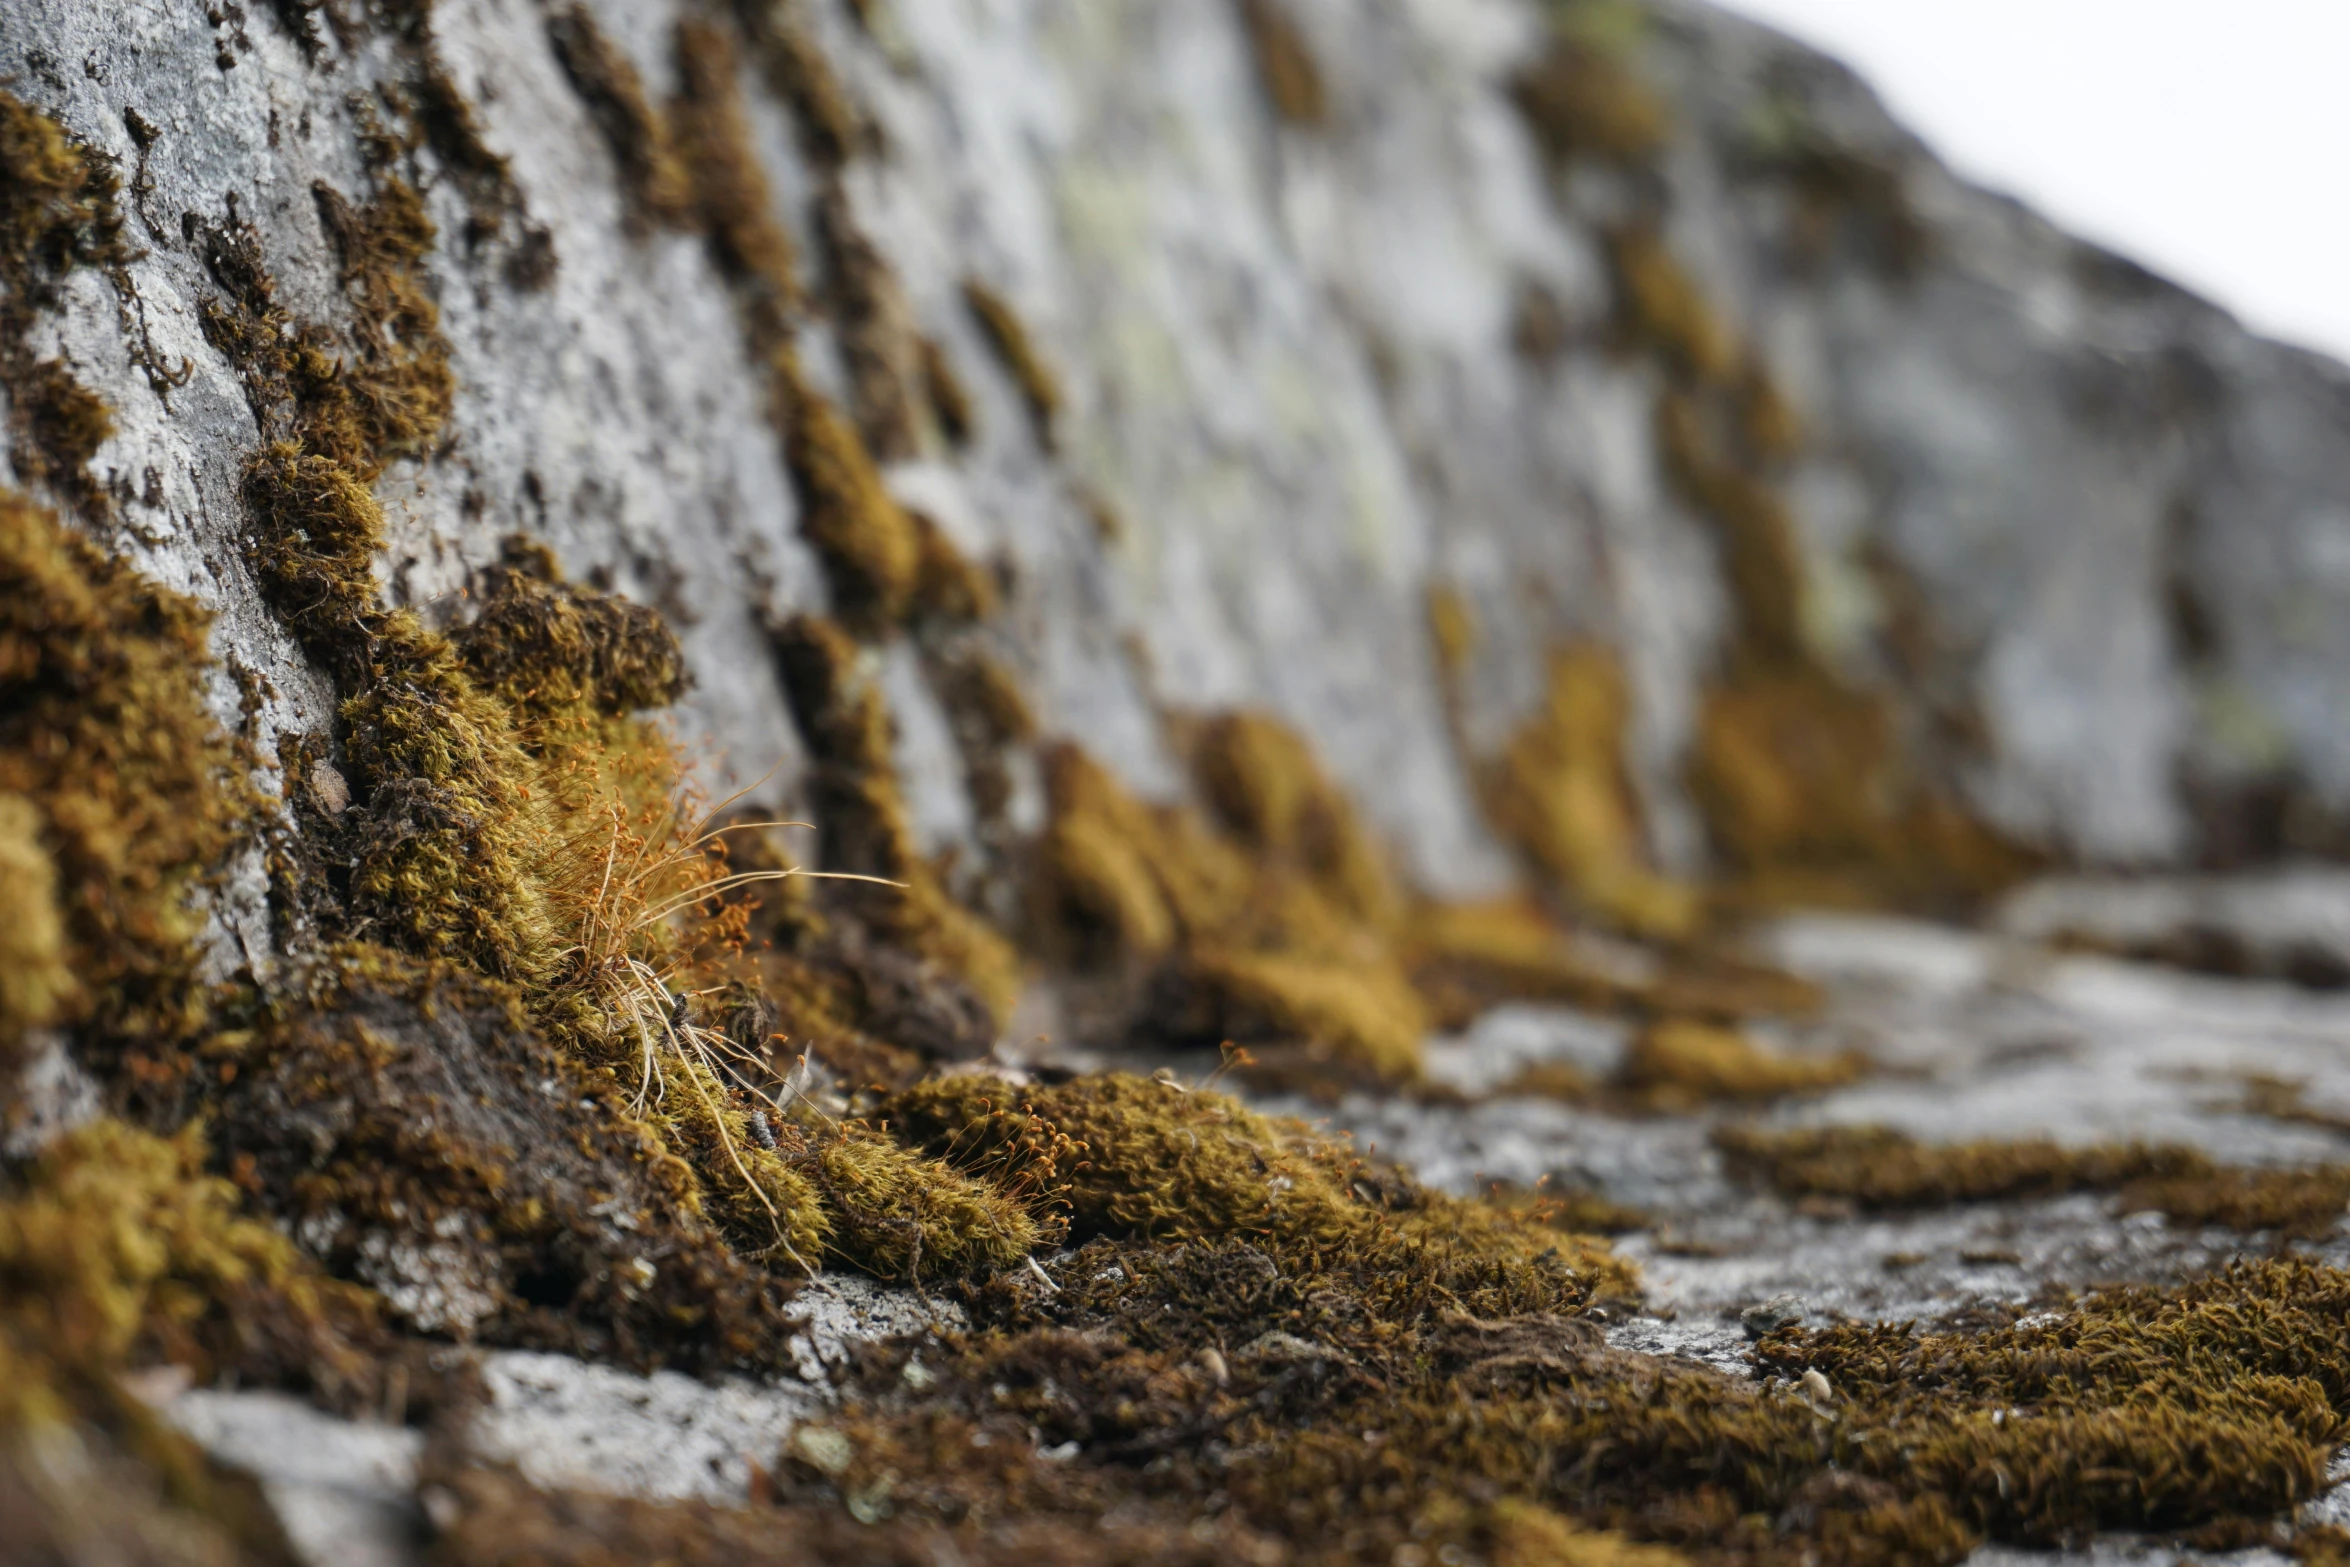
[(901, 1216), (1001, 326), (659, 191), (1285, 64), (1879, 1168)]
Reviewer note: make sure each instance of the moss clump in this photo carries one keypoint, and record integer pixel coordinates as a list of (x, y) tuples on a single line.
[(1582, 99), (1678, 1064), (853, 788), (1285, 64), (731, 193), (659, 191), (123, 797), (1560, 794), (950, 400), (58, 211), (876, 329), (1153, 1161), (1663, 308), (1272, 936), (1884, 1169), (797, 72), (871, 550), (898, 1215), (1001, 326)]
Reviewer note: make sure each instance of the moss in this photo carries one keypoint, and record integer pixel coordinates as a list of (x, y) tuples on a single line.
[(898, 1215), (797, 72), (124, 795), (854, 792), (658, 189), (1883, 1169), (731, 193), (1583, 100), (1679, 1064), (949, 586), (1465, 957), (1561, 796), (875, 327), (1154, 1161), (36, 984), (1264, 783), (1285, 62), (1007, 335), (1343, 1010), (1452, 628), (58, 211), (1664, 308), (950, 401), (871, 550)]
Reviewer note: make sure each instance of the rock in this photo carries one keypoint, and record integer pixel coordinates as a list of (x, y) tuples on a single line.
[(1767, 1317), (343, 1490)]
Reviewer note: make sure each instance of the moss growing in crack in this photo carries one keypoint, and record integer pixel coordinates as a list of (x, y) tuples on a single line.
[(731, 194), (875, 326), (659, 191), (1582, 99), (122, 793), (1000, 324), (1879, 1168), (1286, 68), (871, 550), (1680, 1064), (1264, 782), (950, 400), (1663, 306), (797, 72), (1561, 795), (58, 211), (865, 832)]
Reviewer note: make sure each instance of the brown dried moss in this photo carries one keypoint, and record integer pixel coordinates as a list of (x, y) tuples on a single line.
[(1879, 1168), (1015, 349), (797, 72), (1285, 63), (854, 794), (1560, 794), (871, 550), (123, 795), (58, 211), (731, 192), (1582, 99), (1678, 1065), (658, 189)]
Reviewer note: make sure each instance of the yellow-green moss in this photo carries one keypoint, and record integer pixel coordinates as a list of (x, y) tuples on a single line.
[(1152, 1161), (854, 792), (659, 191), (1678, 1064), (1560, 794), (1285, 63), (874, 326), (1000, 324), (121, 786), (901, 1216), (1263, 781), (871, 550), (1879, 1168)]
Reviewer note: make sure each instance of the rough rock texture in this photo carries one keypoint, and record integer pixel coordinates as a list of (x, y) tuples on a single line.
[(1697, 463), (2086, 526)]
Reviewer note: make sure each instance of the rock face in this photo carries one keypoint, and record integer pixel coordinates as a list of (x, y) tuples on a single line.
[(1312, 368), (1586, 444)]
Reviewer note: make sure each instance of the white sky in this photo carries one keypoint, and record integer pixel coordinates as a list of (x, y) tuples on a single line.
[(2208, 140)]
